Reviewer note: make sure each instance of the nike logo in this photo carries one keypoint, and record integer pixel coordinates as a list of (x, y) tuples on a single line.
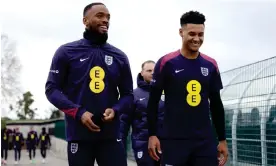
[(119, 140), (177, 71), (83, 59), (142, 99)]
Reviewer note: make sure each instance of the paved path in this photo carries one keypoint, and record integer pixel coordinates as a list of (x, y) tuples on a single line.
[(52, 160)]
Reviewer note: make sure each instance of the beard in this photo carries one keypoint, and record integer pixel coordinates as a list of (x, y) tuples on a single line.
[(93, 35)]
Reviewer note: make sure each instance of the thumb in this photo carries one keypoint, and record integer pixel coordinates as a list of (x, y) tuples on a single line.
[(158, 148)]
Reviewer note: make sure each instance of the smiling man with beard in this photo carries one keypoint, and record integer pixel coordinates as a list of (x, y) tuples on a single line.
[(192, 85), (86, 78)]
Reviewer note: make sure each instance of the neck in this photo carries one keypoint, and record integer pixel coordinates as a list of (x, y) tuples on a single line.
[(95, 37), (189, 54)]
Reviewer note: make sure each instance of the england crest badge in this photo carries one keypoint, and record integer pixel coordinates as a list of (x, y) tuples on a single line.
[(74, 148), (204, 71), (108, 60), (140, 154)]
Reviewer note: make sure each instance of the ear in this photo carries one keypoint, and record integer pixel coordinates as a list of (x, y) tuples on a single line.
[(181, 32), (85, 21), (141, 73)]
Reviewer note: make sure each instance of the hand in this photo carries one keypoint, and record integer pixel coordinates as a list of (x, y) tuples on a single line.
[(154, 144), (109, 114), (86, 119), (222, 150)]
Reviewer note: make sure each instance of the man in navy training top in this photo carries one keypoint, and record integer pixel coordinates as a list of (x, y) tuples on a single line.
[(45, 142), (5, 133), (192, 85), (137, 117), (85, 81), (32, 140), (18, 142)]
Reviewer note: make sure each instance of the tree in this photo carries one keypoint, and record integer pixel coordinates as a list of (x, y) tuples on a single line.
[(10, 69), (23, 107), (55, 114)]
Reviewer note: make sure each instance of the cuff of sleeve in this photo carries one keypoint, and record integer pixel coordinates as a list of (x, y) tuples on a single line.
[(116, 108), (222, 137), (80, 112)]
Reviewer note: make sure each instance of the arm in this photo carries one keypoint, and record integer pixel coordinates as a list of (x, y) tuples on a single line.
[(49, 139), (125, 89), (126, 120), (154, 97), (216, 106), (55, 83)]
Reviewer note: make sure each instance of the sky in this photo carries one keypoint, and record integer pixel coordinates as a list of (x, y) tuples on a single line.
[(238, 32)]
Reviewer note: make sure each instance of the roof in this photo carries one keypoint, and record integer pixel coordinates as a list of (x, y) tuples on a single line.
[(32, 122), (250, 86)]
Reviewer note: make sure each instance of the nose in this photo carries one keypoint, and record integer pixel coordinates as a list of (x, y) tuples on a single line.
[(196, 38), (105, 20)]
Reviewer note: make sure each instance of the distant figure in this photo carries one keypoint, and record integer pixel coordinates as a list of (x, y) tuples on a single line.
[(44, 140), (32, 141), (271, 136), (4, 145), (18, 142)]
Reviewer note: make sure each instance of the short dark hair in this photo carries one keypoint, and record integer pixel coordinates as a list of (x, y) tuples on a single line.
[(192, 17), (89, 6), (148, 61)]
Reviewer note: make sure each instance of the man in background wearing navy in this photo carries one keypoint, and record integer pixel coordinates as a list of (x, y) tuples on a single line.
[(32, 140), (192, 85), (86, 78), (5, 133), (137, 117), (18, 142), (45, 142)]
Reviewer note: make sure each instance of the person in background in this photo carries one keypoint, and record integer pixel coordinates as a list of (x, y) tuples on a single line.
[(4, 144), (137, 117), (32, 140), (18, 142), (45, 142)]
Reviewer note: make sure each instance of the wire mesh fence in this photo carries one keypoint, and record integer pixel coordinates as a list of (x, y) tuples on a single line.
[(249, 98)]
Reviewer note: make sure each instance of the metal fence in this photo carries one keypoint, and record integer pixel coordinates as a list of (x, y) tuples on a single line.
[(249, 98)]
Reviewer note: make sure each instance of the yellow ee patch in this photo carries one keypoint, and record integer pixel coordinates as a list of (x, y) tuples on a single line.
[(193, 98)]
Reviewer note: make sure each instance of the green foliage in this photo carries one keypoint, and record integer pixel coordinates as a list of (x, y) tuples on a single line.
[(23, 107), (3, 121), (55, 114)]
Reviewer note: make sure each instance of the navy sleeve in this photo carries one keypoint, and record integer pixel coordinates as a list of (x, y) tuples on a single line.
[(215, 81), (157, 87), (125, 88), (54, 85), (49, 139), (126, 120), (216, 105)]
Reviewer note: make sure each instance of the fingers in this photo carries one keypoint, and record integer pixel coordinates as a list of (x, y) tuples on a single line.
[(223, 159), (91, 126), (108, 115), (153, 154)]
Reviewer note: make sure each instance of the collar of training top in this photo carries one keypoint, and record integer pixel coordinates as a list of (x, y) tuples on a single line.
[(93, 37), (141, 83)]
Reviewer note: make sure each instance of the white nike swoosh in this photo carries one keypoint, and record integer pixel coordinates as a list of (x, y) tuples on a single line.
[(83, 59), (118, 140), (177, 71)]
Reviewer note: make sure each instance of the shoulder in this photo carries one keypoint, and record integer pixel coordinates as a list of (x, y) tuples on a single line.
[(166, 58), (210, 60), (116, 53)]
